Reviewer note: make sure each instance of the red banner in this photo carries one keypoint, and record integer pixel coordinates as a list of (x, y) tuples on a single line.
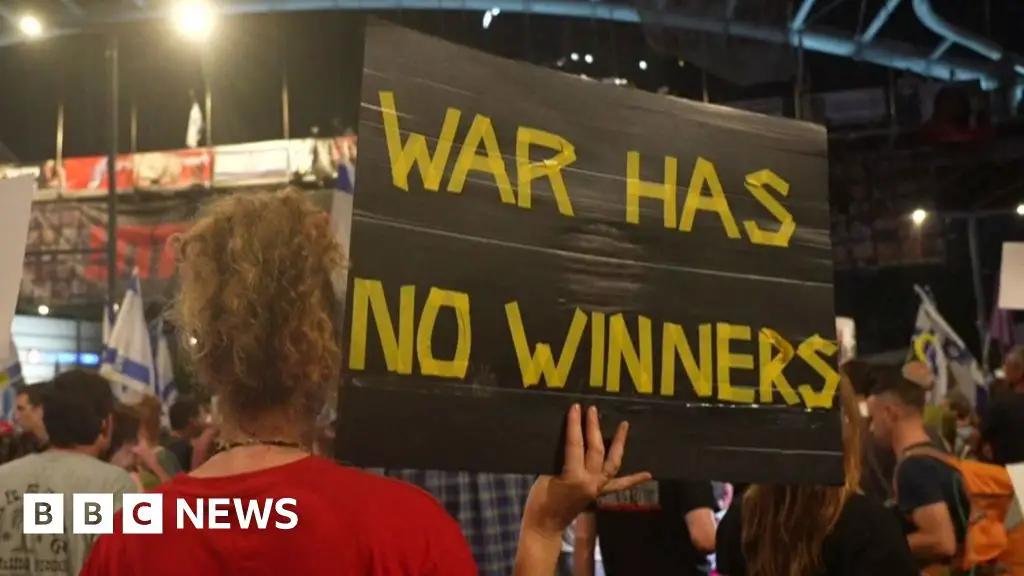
[(66, 253), (141, 246), (88, 174), (173, 170)]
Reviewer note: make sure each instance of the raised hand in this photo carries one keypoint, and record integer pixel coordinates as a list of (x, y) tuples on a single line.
[(588, 472)]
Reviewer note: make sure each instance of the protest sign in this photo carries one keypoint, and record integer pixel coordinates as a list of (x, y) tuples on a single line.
[(16, 195), (1011, 275), (524, 239)]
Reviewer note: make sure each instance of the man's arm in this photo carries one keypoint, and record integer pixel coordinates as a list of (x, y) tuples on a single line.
[(921, 498), (935, 537), (698, 504), (989, 428), (583, 556)]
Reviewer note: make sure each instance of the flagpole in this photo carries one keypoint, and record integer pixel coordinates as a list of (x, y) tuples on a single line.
[(979, 291), (134, 127), (115, 101), (285, 100), (59, 153), (208, 97)]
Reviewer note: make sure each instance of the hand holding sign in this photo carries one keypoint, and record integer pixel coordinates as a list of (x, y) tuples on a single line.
[(588, 472)]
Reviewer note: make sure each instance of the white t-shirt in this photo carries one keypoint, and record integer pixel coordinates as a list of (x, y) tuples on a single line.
[(55, 472)]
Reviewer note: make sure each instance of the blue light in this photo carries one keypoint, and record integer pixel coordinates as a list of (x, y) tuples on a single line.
[(69, 358)]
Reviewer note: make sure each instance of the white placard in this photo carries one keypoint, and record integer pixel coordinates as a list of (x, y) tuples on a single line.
[(16, 199), (1011, 277), (846, 335), (1017, 477)]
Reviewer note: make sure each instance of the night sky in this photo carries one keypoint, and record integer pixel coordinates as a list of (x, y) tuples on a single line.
[(321, 52), (322, 55), (158, 72)]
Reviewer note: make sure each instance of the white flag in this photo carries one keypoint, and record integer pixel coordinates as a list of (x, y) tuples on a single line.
[(195, 126), (10, 378), (128, 359), (166, 387), (936, 344)]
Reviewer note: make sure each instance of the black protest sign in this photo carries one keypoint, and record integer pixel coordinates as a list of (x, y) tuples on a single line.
[(525, 239)]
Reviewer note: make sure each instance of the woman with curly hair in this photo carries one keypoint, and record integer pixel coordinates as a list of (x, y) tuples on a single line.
[(780, 530), (256, 307)]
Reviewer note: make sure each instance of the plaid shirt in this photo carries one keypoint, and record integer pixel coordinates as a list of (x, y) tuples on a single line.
[(488, 507)]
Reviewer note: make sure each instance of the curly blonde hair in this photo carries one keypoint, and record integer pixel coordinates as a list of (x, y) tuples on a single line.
[(256, 303)]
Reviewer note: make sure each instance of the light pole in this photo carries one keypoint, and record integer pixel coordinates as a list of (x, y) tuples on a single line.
[(971, 219), (115, 103), (195, 20)]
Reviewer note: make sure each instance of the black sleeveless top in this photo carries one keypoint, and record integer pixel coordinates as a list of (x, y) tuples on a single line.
[(867, 540)]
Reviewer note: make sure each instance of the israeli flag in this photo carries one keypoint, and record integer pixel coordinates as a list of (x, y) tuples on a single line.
[(165, 385), (128, 359), (194, 130), (10, 378), (109, 318), (936, 344)]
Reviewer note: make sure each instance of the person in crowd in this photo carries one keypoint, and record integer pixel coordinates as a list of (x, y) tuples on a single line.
[(204, 445), (878, 460), (488, 507), (661, 527), (187, 424), (928, 491), (123, 441), (966, 434), (778, 530), (262, 313), (156, 463), (28, 411), (15, 445), (1002, 428), (77, 414)]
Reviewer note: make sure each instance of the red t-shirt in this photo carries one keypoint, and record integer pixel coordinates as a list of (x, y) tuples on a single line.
[(349, 523)]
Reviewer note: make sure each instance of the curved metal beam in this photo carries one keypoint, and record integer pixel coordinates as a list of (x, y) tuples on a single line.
[(880, 19), (937, 24), (832, 42)]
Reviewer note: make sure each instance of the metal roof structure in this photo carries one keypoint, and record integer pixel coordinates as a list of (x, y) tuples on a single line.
[(980, 59)]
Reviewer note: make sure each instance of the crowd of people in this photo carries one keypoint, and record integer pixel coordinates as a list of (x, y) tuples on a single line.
[(260, 313)]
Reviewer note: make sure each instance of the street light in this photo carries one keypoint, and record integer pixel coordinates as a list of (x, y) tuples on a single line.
[(643, 64), (971, 218), (30, 26), (193, 19), (489, 17), (918, 216)]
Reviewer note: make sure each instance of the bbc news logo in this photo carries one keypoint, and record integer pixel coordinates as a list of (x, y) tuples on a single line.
[(144, 513)]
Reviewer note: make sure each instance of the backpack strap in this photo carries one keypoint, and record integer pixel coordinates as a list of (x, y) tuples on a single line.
[(925, 450), (963, 509)]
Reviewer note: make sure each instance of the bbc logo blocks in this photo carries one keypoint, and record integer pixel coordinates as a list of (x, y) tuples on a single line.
[(92, 514)]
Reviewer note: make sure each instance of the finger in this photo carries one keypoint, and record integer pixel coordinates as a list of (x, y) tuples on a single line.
[(573, 440), (595, 441), (613, 462), (626, 482)]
